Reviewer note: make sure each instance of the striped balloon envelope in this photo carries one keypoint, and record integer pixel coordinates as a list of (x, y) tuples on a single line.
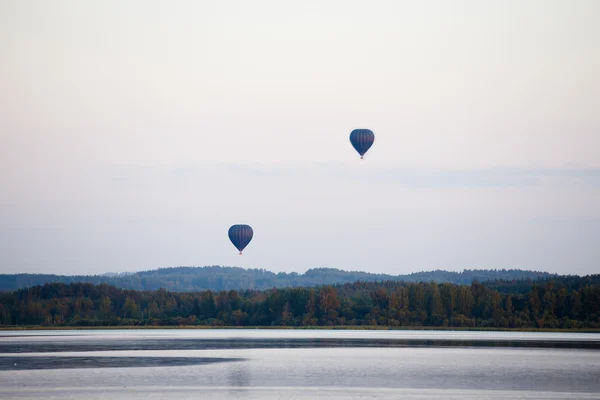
[(362, 140), (240, 236)]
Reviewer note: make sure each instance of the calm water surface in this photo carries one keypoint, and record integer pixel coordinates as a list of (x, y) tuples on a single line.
[(298, 364)]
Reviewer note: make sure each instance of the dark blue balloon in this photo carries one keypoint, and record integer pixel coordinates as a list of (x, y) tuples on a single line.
[(362, 140), (240, 236)]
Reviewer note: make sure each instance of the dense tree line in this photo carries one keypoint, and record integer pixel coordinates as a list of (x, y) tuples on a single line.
[(194, 279), (361, 303), (569, 282)]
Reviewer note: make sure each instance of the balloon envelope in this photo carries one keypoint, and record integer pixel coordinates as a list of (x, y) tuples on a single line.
[(362, 140), (240, 236)]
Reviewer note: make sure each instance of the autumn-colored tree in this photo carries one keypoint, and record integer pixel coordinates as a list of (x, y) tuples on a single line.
[(359, 303)]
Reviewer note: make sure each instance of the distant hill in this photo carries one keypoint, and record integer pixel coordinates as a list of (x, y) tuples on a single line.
[(192, 279)]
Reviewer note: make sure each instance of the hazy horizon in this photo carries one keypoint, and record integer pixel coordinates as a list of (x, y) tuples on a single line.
[(134, 134), (301, 272)]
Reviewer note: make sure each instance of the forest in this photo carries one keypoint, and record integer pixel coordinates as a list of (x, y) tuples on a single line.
[(563, 303), (194, 279)]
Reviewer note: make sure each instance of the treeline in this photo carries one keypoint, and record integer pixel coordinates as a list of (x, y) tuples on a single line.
[(569, 282), (194, 279), (361, 303)]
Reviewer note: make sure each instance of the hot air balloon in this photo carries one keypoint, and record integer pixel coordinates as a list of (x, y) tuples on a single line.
[(240, 236), (362, 140)]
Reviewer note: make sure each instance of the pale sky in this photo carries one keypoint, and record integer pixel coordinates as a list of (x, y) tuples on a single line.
[(134, 133)]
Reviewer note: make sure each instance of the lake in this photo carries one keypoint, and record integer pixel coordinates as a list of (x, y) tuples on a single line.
[(298, 364)]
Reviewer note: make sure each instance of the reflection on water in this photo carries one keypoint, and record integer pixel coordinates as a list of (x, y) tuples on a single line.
[(306, 364), (238, 375), (185, 339), (61, 362), (58, 346), (238, 380)]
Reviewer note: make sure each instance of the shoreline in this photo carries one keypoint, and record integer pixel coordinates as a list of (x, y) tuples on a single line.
[(342, 327)]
